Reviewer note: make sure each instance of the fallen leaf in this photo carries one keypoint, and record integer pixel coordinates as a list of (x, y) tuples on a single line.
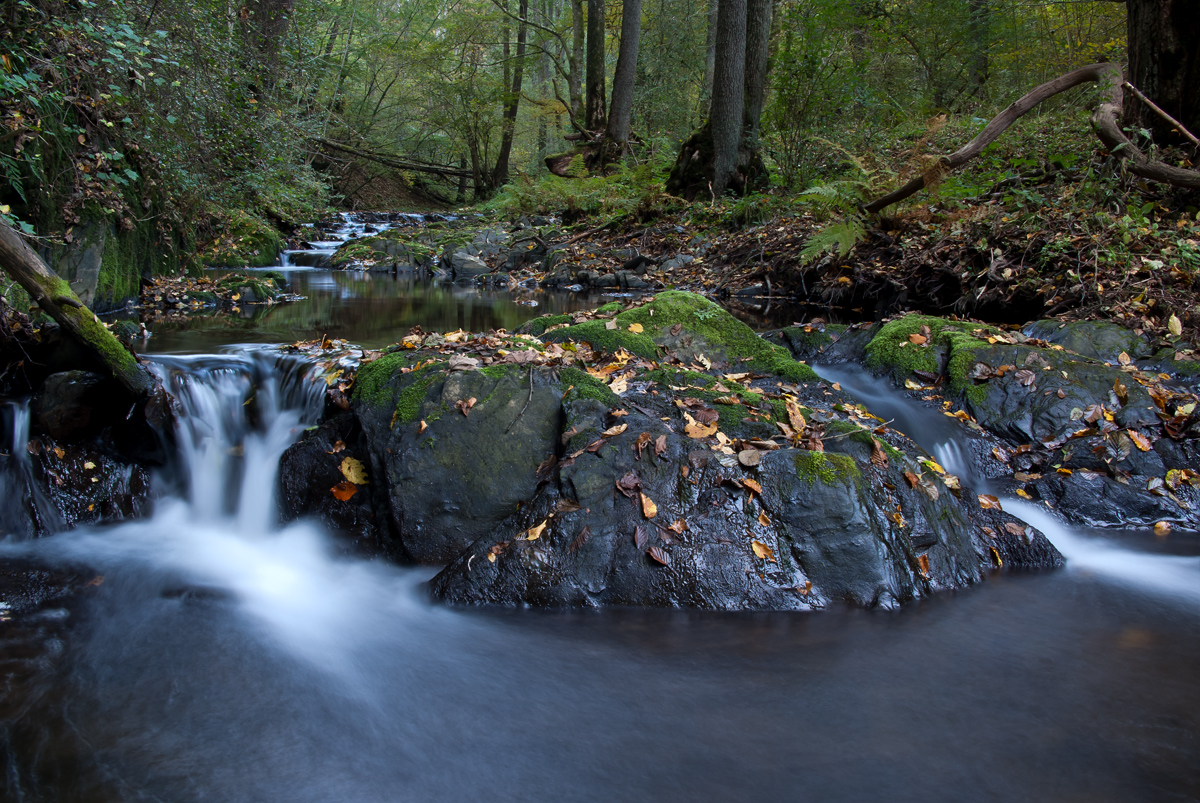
[(1162, 528), (343, 490), (660, 446), (764, 519), (464, 406), (1015, 529), (878, 456), (629, 484), (354, 471), (989, 502), (89, 465), (752, 485), (762, 551), (1139, 440), (996, 559), (534, 533), (1124, 358), (649, 509), (614, 431), (917, 340), (676, 329), (805, 589), (610, 325), (1174, 326), (641, 537), (923, 562), (913, 479), (749, 457), (678, 526), (59, 452), (581, 539), (636, 328), (795, 417), (659, 555), (1021, 492)]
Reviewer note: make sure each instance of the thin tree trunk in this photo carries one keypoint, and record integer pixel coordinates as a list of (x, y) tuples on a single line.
[(595, 101), (509, 121), (728, 102), (59, 301), (710, 53), (977, 34), (758, 51), (575, 78), (620, 118)]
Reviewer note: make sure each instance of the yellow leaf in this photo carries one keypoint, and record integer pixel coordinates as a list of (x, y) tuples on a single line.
[(795, 417), (649, 509), (636, 328), (911, 385), (762, 551), (354, 471), (1162, 528), (236, 296), (491, 557), (1174, 325), (753, 485), (534, 533), (89, 465), (1021, 492), (59, 452), (932, 465), (614, 431), (1124, 358), (763, 519), (697, 430)]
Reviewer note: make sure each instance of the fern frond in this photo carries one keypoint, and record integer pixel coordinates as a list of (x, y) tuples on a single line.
[(840, 237)]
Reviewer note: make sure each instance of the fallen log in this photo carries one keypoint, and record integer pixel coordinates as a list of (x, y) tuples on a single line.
[(59, 301), (1105, 121)]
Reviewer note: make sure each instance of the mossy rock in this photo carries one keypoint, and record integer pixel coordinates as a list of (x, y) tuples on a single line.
[(243, 240), (689, 326)]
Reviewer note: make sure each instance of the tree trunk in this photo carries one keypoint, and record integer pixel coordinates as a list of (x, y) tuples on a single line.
[(58, 301), (758, 51), (595, 101), (619, 119), (575, 78), (266, 26), (710, 53), (977, 35), (1164, 63), (509, 120), (729, 92)]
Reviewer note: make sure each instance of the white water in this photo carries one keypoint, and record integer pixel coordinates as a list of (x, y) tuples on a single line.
[(1175, 578)]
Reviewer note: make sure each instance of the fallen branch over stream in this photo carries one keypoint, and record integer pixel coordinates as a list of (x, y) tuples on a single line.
[(59, 301), (1105, 120)]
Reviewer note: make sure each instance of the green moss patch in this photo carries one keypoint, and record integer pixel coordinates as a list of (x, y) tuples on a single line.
[(585, 386), (831, 469)]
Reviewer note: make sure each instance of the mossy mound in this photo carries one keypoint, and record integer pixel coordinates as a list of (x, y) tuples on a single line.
[(687, 327), (243, 240)]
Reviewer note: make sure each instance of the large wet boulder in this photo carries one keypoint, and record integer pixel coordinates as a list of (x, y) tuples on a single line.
[(661, 454), (1103, 440)]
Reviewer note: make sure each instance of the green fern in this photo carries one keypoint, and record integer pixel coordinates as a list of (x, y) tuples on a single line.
[(840, 237)]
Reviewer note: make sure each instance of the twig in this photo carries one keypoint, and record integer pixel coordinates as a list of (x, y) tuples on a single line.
[(1137, 94), (526, 407)]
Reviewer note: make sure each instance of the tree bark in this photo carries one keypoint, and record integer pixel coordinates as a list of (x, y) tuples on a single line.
[(758, 51), (729, 91), (1105, 121), (509, 119), (1164, 62), (575, 78), (710, 53), (620, 117), (595, 100), (56, 298), (978, 25)]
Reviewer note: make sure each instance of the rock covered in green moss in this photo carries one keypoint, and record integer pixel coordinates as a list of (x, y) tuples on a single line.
[(243, 240)]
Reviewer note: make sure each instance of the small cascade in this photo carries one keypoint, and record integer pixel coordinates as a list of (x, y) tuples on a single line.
[(1173, 577), (24, 500)]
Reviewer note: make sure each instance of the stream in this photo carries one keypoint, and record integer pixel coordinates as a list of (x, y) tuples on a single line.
[(223, 657)]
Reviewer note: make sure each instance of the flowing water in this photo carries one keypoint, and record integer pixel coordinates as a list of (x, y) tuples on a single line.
[(221, 656)]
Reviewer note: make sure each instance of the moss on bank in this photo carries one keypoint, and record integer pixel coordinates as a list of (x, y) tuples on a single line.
[(831, 469)]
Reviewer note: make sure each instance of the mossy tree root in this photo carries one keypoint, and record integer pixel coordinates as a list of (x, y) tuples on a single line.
[(59, 301)]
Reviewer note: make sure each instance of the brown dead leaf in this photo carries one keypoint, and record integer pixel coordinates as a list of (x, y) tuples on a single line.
[(660, 446), (614, 431), (422, 426), (917, 340), (534, 533), (923, 562), (764, 519), (749, 457), (629, 484), (989, 502), (660, 555), (343, 490), (795, 417), (1015, 529), (464, 406), (338, 446), (913, 479), (676, 329), (878, 456), (580, 539), (678, 526), (1139, 440)]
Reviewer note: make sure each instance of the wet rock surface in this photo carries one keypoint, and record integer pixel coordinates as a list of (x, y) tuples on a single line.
[(657, 455)]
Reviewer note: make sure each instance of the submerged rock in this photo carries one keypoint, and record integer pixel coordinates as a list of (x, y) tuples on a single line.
[(692, 464)]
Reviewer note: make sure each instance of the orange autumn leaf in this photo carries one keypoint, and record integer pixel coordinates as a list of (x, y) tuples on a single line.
[(649, 509), (344, 490)]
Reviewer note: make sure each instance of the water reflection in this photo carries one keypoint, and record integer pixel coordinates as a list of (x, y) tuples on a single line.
[(368, 309)]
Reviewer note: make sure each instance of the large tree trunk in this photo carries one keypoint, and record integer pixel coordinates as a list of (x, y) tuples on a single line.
[(595, 100), (729, 92), (1164, 63), (56, 298), (265, 26), (710, 53), (977, 34), (509, 120), (619, 119)]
